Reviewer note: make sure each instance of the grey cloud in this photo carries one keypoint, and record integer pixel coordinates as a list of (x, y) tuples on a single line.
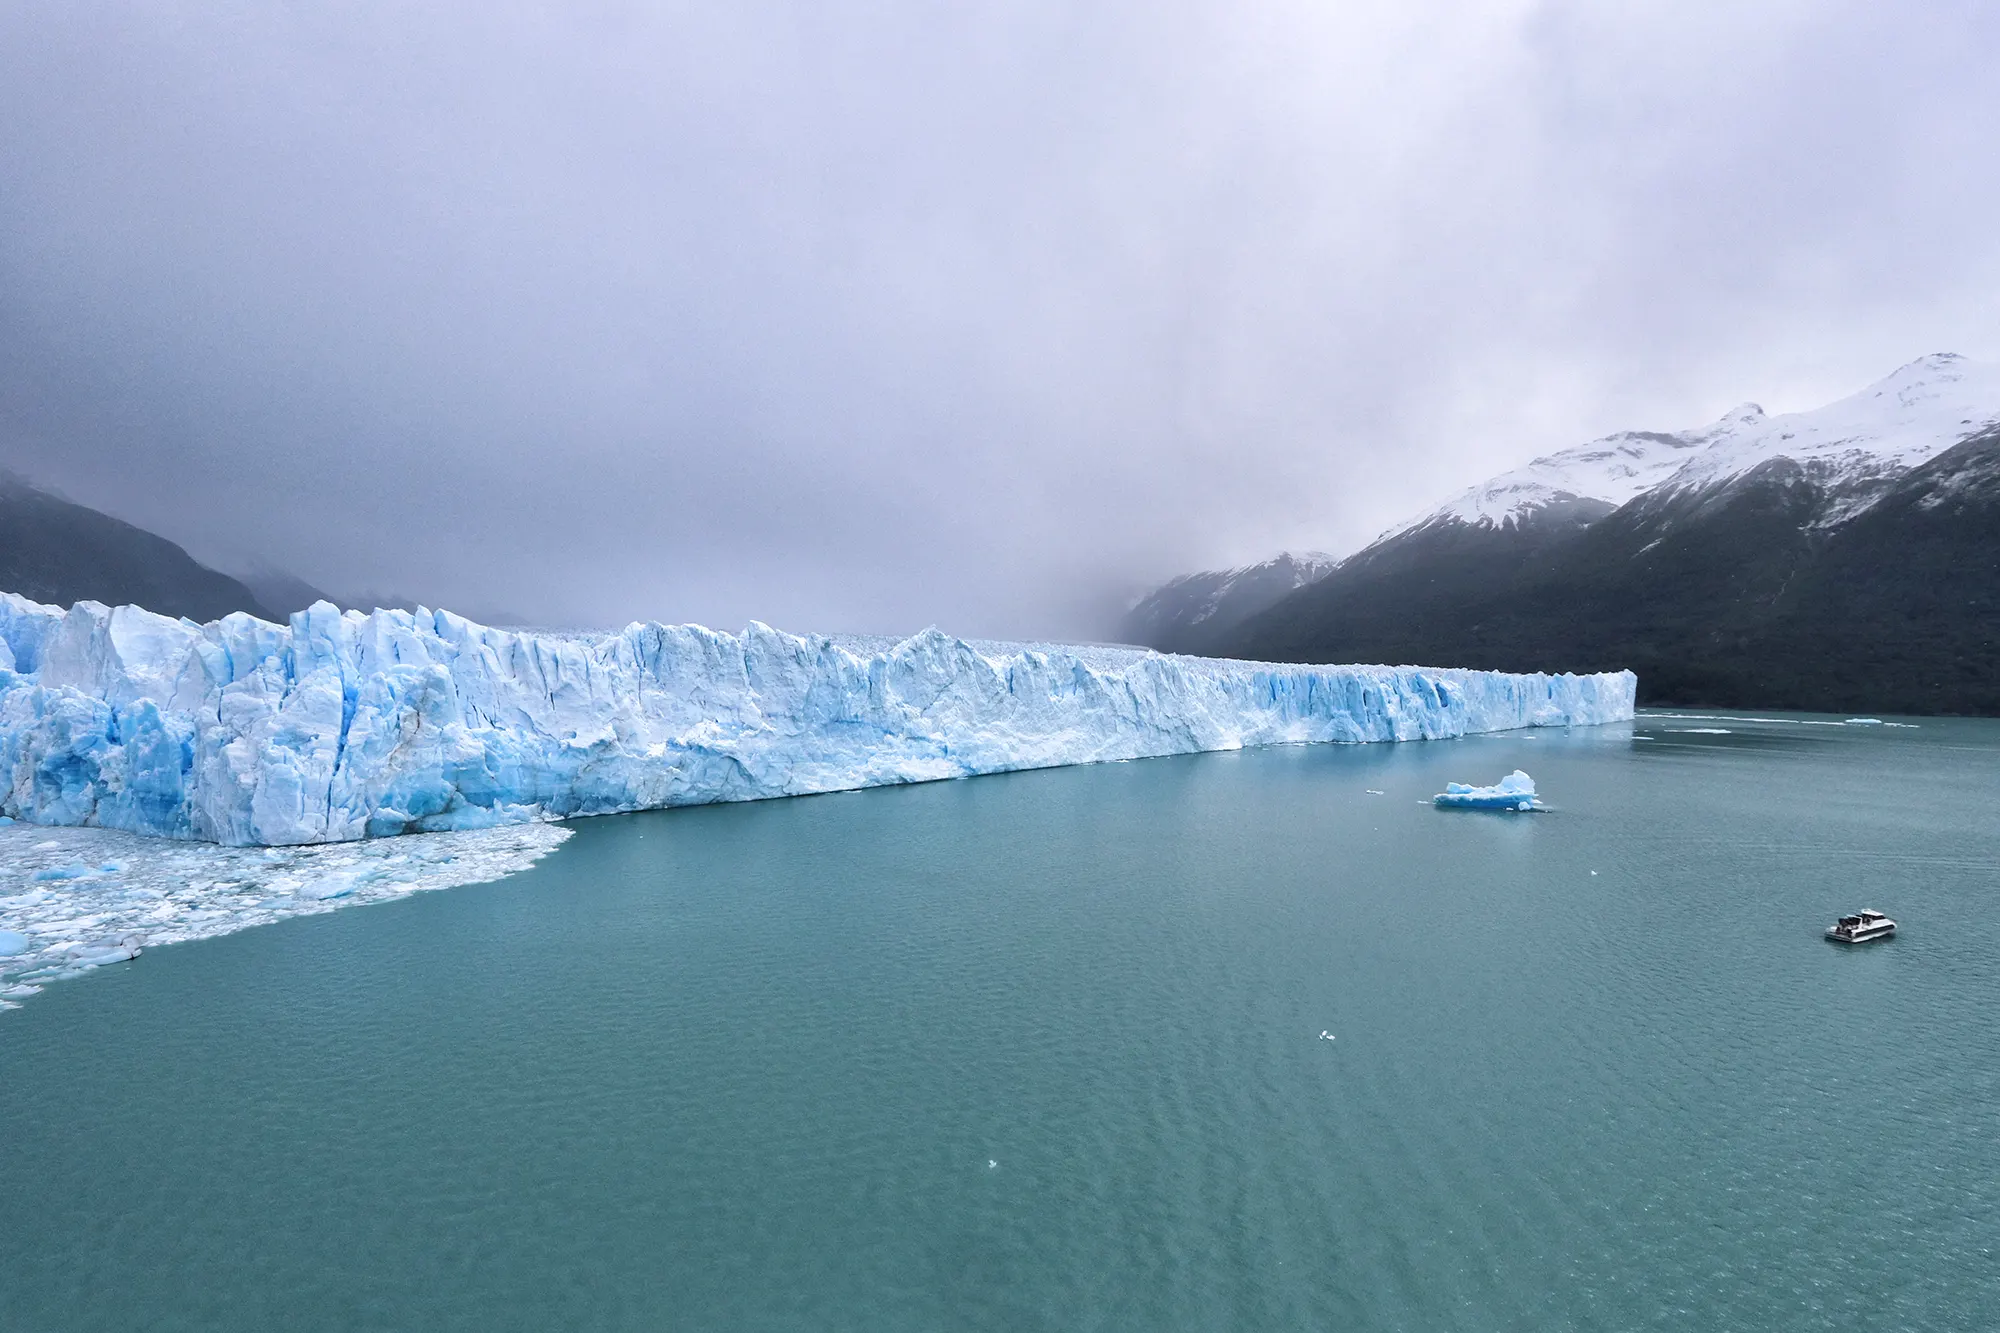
[(872, 316)]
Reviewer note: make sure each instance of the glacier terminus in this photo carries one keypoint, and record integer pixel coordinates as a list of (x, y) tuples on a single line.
[(341, 726)]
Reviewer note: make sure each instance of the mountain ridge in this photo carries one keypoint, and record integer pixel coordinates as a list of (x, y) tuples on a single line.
[(1828, 559), (1910, 415), (55, 550), (1212, 601)]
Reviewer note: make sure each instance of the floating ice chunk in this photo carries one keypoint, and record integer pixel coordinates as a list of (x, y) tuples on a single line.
[(106, 951), (1864, 721), (1516, 791), (12, 942)]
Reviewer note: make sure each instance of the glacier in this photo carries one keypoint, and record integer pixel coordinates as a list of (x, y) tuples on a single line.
[(343, 726), (301, 747)]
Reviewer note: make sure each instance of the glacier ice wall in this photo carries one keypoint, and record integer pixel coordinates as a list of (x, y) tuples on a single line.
[(342, 726)]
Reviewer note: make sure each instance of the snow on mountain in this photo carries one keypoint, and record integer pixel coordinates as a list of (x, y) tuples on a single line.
[(1611, 470), (1852, 446), (1865, 439), (342, 726)]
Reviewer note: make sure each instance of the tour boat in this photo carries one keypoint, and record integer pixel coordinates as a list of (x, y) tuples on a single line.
[(1860, 928)]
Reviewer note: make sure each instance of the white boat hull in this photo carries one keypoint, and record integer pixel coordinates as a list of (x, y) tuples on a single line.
[(1860, 937)]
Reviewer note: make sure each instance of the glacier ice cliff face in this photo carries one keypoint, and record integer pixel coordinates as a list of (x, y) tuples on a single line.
[(341, 726)]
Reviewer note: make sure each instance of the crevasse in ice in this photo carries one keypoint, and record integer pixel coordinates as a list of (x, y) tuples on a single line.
[(340, 725)]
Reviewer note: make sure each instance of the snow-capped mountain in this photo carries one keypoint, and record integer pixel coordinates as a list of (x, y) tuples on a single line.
[(1864, 439), (1853, 447), (1602, 474), (1847, 556)]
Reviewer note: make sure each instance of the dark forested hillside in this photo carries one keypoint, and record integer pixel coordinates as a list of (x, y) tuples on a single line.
[(57, 552)]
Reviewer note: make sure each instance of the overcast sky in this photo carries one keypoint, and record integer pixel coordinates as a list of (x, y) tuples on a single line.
[(869, 316)]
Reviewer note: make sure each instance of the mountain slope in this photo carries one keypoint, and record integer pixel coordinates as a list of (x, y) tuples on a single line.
[(54, 551), (1196, 608), (1838, 559), (1855, 445), (279, 590), (1736, 595)]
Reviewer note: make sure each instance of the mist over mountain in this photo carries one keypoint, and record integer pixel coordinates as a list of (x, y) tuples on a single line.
[(56, 551), (1196, 608), (1842, 558)]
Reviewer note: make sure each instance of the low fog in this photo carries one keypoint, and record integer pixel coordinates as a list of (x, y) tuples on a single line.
[(861, 318)]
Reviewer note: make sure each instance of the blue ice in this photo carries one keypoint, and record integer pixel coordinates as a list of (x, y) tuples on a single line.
[(1516, 791), (340, 726)]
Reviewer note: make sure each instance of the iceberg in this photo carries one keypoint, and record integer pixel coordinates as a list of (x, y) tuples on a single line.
[(343, 726), (1516, 791)]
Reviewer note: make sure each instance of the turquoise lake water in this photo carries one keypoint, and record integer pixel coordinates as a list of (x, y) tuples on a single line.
[(1044, 1051)]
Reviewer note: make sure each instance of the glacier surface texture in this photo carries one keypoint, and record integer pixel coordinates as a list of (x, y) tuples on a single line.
[(343, 726)]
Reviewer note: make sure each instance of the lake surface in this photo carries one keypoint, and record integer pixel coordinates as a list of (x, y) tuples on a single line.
[(1044, 1051)]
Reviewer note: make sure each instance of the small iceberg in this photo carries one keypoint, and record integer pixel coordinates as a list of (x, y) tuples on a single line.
[(106, 951), (1864, 722), (1516, 791)]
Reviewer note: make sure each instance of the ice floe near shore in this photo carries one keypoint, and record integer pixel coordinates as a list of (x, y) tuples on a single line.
[(344, 726), (138, 892)]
